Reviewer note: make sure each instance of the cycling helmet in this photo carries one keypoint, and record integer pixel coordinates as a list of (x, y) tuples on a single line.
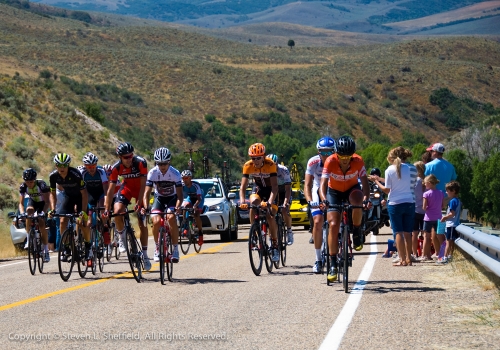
[(107, 168), (186, 173), (346, 146), (62, 159), (81, 168), (162, 155), (326, 142), (376, 171), (29, 174), (124, 148), (257, 150), (90, 158), (273, 157)]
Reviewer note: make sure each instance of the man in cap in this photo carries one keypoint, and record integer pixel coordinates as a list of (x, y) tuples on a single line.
[(441, 168)]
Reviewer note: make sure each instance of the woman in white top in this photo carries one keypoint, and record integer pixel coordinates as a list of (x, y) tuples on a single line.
[(400, 179)]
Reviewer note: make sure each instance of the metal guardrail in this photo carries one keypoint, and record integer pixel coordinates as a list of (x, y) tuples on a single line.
[(484, 248)]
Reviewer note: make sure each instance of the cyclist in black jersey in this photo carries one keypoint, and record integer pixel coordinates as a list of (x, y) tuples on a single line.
[(38, 193), (75, 197)]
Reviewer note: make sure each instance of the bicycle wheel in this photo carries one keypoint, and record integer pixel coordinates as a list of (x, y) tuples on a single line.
[(32, 251), (185, 237), (268, 252), (134, 254), (169, 251), (80, 254), (110, 246), (255, 249), (40, 255), (93, 247), (65, 255), (284, 242), (101, 249), (324, 252), (161, 253), (280, 247), (195, 237), (345, 248)]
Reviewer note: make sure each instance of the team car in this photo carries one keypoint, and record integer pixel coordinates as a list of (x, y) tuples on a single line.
[(298, 209), (220, 214)]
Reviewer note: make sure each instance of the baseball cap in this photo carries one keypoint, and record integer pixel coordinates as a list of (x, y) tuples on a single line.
[(438, 147)]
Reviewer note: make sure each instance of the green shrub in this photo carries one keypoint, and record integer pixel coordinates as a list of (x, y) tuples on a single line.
[(210, 118), (6, 198), (21, 149), (442, 98), (45, 74), (177, 110), (191, 129), (93, 110), (386, 103)]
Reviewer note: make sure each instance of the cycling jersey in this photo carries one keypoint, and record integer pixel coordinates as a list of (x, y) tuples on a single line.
[(131, 184), (36, 193), (315, 168), (95, 184), (337, 179), (164, 184), (194, 193), (72, 184), (283, 177), (262, 176)]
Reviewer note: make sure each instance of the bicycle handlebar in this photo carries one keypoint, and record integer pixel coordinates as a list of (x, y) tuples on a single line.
[(122, 213)]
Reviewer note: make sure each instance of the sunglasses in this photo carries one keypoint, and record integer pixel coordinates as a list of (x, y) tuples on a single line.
[(256, 158), (91, 166), (326, 153), (344, 157), (163, 164), (62, 165), (128, 157), (186, 177)]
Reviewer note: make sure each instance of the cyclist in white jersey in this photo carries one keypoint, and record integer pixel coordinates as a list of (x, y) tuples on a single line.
[(284, 195), (326, 147), (167, 184)]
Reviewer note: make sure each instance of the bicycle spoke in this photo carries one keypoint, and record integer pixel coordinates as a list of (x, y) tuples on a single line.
[(31, 251), (161, 253), (255, 249), (134, 254), (40, 255), (65, 255)]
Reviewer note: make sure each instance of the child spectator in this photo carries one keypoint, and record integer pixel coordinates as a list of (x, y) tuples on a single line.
[(432, 203), (418, 222), (452, 219)]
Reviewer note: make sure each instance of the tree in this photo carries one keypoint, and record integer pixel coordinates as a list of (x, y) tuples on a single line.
[(291, 43)]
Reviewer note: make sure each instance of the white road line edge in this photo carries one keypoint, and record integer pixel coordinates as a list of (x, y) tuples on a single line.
[(339, 328), (21, 262)]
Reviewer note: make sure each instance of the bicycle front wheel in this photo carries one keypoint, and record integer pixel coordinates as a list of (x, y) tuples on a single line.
[(345, 248), (255, 249), (185, 237), (268, 250), (65, 255), (80, 253), (161, 254), (283, 242), (134, 254), (40, 255), (94, 248), (169, 251), (32, 251)]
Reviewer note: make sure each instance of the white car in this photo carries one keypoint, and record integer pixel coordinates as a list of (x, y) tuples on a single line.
[(17, 233), (220, 216)]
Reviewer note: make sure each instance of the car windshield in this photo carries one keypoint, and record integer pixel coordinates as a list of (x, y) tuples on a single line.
[(211, 189)]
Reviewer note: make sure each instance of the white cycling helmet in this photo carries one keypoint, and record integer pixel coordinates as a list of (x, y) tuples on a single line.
[(186, 173), (90, 158), (162, 155)]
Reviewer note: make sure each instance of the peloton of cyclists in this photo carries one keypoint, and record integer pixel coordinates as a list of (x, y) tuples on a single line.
[(265, 174), (167, 183)]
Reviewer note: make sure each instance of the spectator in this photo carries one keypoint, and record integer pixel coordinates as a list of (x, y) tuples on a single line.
[(400, 178), (432, 203), (418, 222), (427, 156), (443, 170), (452, 219)]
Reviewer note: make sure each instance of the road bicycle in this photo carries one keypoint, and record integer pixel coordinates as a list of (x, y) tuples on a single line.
[(282, 236), (165, 248), (134, 249), (187, 233), (190, 161), (206, 165), (344, 256), (259, 241), (113, 244), (99, 249), (71, 249), (35, 250)]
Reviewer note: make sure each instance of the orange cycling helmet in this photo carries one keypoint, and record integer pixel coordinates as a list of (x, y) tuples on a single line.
[(257, 150)]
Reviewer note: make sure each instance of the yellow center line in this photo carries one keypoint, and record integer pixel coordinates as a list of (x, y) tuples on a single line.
[(106, 279)]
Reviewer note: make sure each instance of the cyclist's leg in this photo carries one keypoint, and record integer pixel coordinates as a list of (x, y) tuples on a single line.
[(356, 198), (317, 216), (334, 219), (120, 206)]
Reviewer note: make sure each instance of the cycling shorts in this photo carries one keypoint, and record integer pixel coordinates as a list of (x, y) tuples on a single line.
[(69, 203), (94, 202), (187, 204), (315, 199), (263, 192), (281, 199), (125, 195), (337, 197), (37, 206), (162, 204)]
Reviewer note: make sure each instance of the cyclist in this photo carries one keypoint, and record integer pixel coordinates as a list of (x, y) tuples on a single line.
[(340, 176), (193, 197), (284, 195), (326, 147), (265, 174), (75, 197), (97, 186), (38, 201), (167, 184), (133, 169)]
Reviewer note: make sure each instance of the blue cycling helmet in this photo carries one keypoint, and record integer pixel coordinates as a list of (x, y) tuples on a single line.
[(273, 157), (326, 142)]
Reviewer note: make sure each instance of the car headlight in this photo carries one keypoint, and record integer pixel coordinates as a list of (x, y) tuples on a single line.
[(303, 209), (376, 195), (216, 207)]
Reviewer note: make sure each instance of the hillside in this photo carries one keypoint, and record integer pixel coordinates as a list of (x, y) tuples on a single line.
[(156, 85)]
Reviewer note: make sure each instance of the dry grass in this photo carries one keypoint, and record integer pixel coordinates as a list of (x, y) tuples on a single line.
[(7, 249)]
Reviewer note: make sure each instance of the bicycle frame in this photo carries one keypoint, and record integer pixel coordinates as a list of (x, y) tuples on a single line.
[(165, 247), (35, 251)]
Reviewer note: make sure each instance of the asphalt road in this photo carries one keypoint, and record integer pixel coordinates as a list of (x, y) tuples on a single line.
[(216, 302)]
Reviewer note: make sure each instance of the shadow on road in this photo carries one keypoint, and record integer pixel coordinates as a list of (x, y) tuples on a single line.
[(371, 287), (205, 281)]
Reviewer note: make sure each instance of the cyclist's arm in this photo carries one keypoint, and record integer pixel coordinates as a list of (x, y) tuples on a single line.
[(53, 199), (180, 197), (45, 197), (288, 194), (366, 188), (274, 188), (323, 188), (147, 194), (142, 190), (243, 187), (308, 187), (109, 195), (21, 204), (85, 199)]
